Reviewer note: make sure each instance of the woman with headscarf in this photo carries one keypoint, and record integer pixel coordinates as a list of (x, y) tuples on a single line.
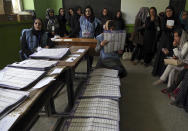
[(52, 24), (88, 23), (73, 22), (33, 38), (152, 27), (165, 44), (138, 34), (104, 16), (180, 53), (62, 22), (184, 20), (119, 21)]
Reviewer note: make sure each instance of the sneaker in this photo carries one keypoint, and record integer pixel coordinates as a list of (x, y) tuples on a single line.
[(158, 82)]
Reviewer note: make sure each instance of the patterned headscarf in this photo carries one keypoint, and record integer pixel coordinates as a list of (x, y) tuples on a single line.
[(142, 14)]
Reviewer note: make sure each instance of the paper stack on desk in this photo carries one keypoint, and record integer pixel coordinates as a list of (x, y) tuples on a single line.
[(10, 99), (104, 80), (98, 108), (57, 53), (34, 64), (100, 90), (91, 124), (17, 78), (116, 40)]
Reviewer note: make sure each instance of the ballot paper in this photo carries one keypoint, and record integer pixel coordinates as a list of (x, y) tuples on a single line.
[(56, 71), (105, 72), (170, 22), (10, 99), (55, 53), (75, 55), (105, 91), (17, 78), (116, 40), (67, 39), (104, 80), (80, 50), (34, 64), (91, 124), (105, 109), (71, 59), (45, 81)]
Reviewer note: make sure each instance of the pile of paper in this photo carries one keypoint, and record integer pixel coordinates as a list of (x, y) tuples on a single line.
[(34, 64), (10, 99), (104, 80), (116, 40), (105, 72), (17, 78), (57, 53), (91, 124), (98, 108)]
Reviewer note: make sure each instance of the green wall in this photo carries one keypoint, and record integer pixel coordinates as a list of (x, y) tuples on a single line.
[(10, 44), (186, 6), (28, 4)]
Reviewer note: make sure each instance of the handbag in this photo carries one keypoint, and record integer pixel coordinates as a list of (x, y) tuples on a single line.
[(174, 62)]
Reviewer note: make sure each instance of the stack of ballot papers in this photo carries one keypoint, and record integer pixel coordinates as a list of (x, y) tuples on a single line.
[(104, 80), (57, 53), (105, 72), (10, 99), (91, 124), (101, 90), (34, 64), (98, 108), (116, 40), (17, 78)]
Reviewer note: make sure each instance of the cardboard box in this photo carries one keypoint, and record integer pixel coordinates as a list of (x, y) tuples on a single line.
[(22, 18), (6, 18)]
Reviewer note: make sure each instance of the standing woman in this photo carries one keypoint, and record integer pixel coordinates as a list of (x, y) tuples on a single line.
[(52, 24), (165, 45), (73, 22), (138, 34), (151, 32), (33, 38), (88, 23), (105, 16), (62, 22), (119, 21)]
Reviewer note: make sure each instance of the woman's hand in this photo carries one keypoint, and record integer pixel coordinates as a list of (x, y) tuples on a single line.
[(120, 52), (104, 42), (174, 57), (169, 27), (175, 43), (46, 46), (165, 51)]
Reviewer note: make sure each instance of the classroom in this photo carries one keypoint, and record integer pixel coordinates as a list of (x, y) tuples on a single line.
[(94, 65)]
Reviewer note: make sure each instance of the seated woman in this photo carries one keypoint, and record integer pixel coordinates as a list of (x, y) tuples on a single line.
[(180, 52), (33, 38), (184, 20), (109, 60)]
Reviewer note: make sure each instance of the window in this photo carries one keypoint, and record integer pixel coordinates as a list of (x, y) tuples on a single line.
[(17, 6)]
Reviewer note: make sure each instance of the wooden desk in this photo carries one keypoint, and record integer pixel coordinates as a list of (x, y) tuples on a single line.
[(24, 116), (77, 42)]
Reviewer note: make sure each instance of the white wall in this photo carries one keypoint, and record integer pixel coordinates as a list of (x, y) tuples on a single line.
[(131, 7)]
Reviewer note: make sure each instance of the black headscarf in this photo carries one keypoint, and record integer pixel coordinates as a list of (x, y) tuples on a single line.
[(91, 18)]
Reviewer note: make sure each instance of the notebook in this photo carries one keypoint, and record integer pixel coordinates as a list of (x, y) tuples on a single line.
[(16, 78), (55, 53), (34, 64), (10, 99)]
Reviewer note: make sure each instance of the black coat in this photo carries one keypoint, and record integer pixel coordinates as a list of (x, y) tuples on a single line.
[(119, 24), (74, 25), (150, 35), (62, 25), (166, 41)]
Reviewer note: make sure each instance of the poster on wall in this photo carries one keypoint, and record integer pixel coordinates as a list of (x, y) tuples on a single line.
[(130, 8), (1, 7)]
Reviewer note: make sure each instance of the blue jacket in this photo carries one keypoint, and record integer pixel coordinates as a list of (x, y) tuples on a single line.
[(88, 28), (30, 42)]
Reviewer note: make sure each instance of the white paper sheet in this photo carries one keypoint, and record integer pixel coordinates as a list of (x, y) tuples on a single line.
[(80, 50), (67, 39), (71, 59), (56, 71), (45, 81)]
